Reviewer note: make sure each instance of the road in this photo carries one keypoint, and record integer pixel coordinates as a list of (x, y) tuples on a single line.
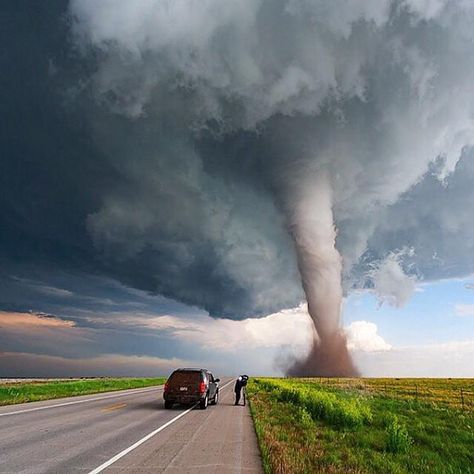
[(127, 431)]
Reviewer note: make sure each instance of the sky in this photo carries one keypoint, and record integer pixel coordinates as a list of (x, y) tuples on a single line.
[(105, 328), (157, 160)]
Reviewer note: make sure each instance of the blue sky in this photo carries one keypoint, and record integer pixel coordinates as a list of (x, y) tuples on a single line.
[(430, 316)]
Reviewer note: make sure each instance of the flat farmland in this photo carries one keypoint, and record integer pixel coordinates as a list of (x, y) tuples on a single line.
[(364, 425), (441, 392)]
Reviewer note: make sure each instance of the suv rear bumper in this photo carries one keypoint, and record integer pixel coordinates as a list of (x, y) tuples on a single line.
[(184, 399)]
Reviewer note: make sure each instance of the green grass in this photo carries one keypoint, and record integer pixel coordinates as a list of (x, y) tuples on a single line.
[(321, 405), (29, 392), (364, 425), (398, 439)]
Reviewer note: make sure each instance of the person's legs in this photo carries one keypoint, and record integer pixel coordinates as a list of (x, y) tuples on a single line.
[(237, 397)]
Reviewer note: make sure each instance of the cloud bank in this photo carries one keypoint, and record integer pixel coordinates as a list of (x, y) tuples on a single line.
[(34, 345), (224, 116)]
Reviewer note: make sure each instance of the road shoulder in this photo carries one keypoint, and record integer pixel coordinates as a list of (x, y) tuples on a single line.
[(220, 439)]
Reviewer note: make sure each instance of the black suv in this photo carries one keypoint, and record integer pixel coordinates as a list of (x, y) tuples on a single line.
[(187, 386)]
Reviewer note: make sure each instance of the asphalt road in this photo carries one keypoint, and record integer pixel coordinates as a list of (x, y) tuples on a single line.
[(127, 431)]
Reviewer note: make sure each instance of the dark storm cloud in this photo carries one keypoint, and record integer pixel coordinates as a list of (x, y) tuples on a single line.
[(79, 195), (25, 288), (50, 177), (435, 219), (152, 142)]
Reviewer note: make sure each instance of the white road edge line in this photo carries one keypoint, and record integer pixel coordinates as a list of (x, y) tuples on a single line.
[(145, 438), (119, 393)]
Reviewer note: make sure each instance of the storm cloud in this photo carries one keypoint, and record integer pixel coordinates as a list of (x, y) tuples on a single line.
[(158, 143)]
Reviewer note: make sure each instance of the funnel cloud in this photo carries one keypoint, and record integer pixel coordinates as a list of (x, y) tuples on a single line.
[(241, 156), (311, 224)]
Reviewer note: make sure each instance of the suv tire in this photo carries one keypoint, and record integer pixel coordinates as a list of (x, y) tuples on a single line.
[(203, 403), (168, 404), (216, 398)]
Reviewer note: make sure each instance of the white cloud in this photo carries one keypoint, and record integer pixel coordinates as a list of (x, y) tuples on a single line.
[(464, 309), (11, 320), (53, 291), (42, 333), (289, 327), (47, 290), (448, 359), (469, 286), (391, 284), (362, 336), (427, 8)]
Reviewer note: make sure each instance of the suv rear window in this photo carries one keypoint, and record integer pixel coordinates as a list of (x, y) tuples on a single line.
[(185, 377)]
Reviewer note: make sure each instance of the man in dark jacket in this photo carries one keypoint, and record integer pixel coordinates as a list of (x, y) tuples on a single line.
[(240, 383)]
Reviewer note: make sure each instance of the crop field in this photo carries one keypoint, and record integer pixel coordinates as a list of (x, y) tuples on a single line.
[(31, 391), (364, 425)]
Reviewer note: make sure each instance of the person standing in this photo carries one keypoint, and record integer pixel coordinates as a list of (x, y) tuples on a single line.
[(240, 383)]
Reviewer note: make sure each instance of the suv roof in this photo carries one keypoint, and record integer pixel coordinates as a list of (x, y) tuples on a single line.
[(191, 370)]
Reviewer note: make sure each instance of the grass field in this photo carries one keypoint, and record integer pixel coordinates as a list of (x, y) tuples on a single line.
[(364, 425), (33, 391)]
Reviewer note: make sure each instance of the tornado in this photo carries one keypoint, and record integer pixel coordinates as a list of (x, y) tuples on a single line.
[(311, 225)]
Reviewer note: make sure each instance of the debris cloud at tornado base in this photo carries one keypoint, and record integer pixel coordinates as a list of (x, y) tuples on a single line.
[(214, 147)]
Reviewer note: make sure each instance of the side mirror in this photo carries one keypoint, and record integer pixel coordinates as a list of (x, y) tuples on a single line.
[(217, 380)]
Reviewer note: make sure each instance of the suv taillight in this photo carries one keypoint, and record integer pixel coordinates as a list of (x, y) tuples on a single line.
[(202, 387), (165, 388)]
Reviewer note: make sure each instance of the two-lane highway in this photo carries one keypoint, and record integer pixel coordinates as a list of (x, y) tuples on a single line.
[(129, 431)]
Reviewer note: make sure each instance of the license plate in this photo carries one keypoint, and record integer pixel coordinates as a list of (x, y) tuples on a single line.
[(183, 389)]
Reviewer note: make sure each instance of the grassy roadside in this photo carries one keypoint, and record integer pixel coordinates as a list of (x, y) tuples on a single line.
[(314, 425), (33, 391)]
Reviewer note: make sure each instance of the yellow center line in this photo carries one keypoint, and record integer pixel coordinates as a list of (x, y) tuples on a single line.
[(117, 406)]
